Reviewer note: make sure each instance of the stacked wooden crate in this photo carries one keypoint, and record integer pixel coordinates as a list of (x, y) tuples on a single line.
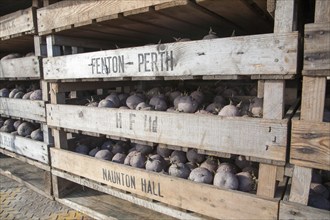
[(29, 159), (270, 58), (310, 140)]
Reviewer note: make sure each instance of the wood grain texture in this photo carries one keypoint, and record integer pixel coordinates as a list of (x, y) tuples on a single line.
[(284, 19), (317, 49), (21, 108), (18, 22), (158, 207), (29, 148), (322, 11), (77, 12), (300, 187), (267, 179), (290, 210), (313, 97), (26, 174), (102, 206), (273, 106), (266, 54), (200, 198), (310, 144), (24, 159), (26, 67), (245, 136)]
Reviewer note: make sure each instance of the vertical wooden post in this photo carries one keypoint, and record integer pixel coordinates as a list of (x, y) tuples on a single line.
[(274, 95), (312, 109)]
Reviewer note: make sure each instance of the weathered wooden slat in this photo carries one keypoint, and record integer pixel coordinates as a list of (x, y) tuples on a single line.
[(267, 54), (310, 144), (200, 198), (290, 210), (317, 50), (246, 136), (21, 108), (26, 67), (18, 22), (77, 12), (156, 206), (36, 150)]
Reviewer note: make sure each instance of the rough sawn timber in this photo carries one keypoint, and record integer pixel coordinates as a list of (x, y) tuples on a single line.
[(260, 138), (23, 108), (266, 54), (310, 144), (29, 148), (26, 67), (201, 198)]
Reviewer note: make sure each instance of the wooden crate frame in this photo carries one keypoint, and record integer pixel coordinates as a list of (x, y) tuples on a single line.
[(52, 19), (310, 142), (19, 23), (285, 22), (166, 189)]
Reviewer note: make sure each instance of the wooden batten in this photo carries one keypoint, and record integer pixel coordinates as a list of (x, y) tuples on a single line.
[(201, 198), (310, 144), (18, 23), (266, 54), (316, 49), (25, 109), (290, 210), (29, 148), (254, 137), (26, 67)]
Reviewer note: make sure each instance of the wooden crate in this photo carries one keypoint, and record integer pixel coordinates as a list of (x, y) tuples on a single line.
[(184, 194), (143, 17), (20, 68), (310, 138)]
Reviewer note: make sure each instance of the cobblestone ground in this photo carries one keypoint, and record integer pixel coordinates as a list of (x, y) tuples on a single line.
[(19, 202)]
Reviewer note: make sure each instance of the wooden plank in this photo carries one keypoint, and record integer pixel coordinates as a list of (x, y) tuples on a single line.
[(266, 54), (214, 202), (23, 108), (102, 206), (316, 49), (53, 16), (273, 106), (18, 22), (322, 11), (300, 187), (313, 96), (289, 210), (256, 137), (158, 207), (26, 174), (310, 144), (25, 67), (24, 159), (274, 99), (36, 150), (267, 183)]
